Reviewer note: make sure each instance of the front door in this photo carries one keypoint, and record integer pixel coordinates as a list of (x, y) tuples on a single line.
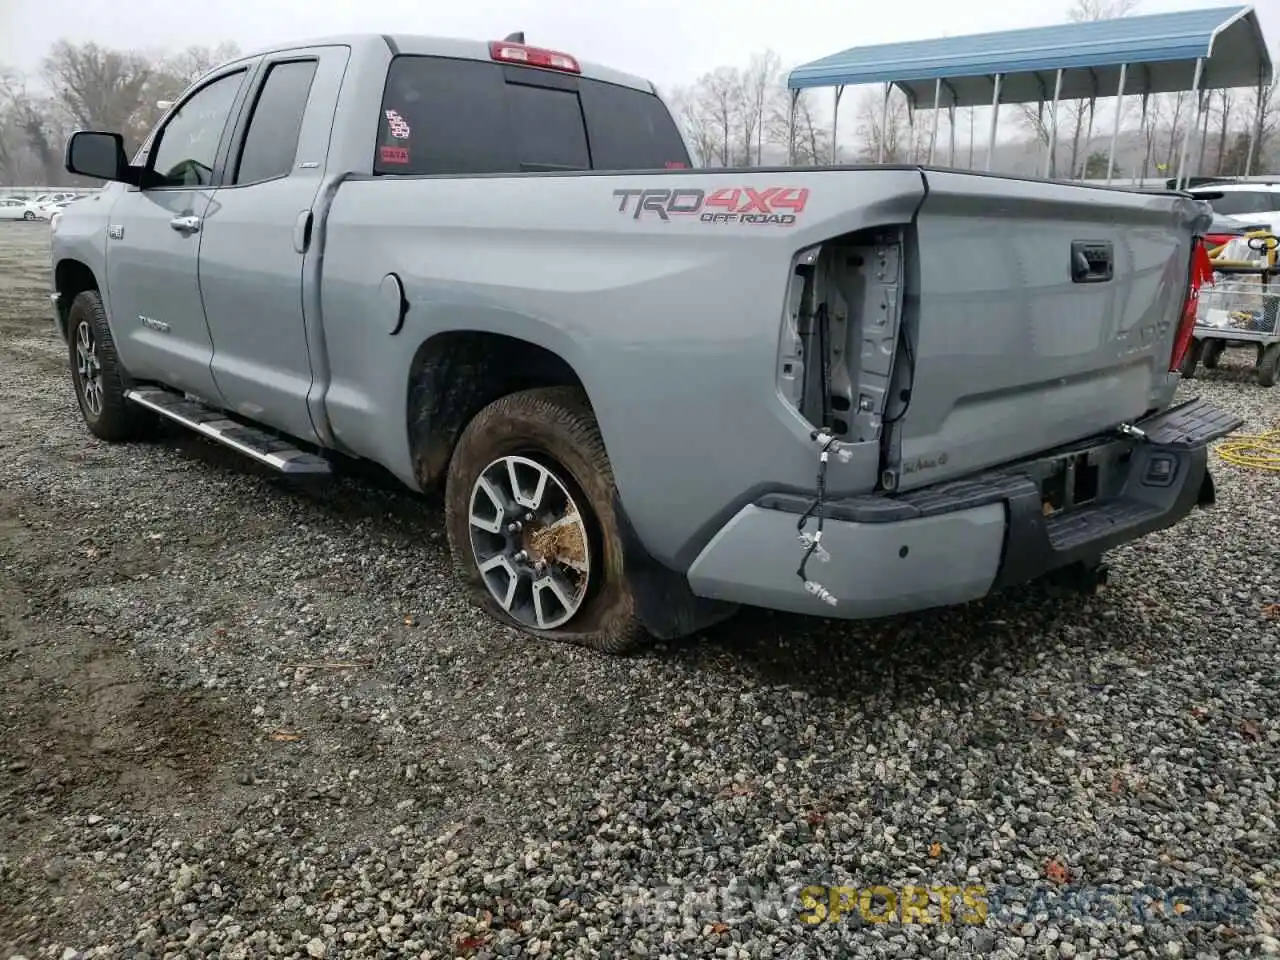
[(153, 244), (256, 236)]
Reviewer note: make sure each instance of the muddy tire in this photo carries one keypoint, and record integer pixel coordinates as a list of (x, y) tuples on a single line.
[(1212, 354), (559, 575), (1191, 360), (1268, 368), (100, 380)]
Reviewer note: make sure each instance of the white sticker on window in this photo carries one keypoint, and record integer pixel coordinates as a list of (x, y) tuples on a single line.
[(399, 128)]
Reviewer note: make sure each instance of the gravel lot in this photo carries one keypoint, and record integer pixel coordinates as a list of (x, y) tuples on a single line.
[(240, 718)]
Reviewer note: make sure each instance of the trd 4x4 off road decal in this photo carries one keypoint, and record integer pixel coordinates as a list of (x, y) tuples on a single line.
[(779, 206)]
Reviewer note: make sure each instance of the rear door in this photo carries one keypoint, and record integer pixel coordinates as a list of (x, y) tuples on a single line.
[(256, 234), (1020, 348)]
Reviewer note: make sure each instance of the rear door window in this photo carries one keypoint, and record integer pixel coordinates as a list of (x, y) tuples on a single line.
[(271, 143), (471, 117)]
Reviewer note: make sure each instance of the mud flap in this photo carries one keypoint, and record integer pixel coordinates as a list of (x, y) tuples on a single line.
[(665, 604)]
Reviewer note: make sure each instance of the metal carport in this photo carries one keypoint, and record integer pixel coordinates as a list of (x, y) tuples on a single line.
[(1195, 50)]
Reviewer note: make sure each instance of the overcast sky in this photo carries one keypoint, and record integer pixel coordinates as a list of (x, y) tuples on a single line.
[(668, 41)]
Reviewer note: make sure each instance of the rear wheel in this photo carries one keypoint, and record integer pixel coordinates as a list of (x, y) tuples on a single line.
[(529, 513), (98, 376), (1212, 353), (1268, 368)]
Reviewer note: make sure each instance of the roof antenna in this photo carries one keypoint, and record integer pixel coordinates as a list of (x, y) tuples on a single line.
[(517, 37)]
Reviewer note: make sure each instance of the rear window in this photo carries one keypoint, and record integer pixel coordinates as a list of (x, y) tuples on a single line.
[(442, 116), (1235, 203)]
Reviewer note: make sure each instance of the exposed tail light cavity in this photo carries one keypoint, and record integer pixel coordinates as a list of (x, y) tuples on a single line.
[(1201, 273)]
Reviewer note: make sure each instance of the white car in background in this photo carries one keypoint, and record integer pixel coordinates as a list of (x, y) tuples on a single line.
[(45, 199), (1251, 201), (54, 210), (13, 208)]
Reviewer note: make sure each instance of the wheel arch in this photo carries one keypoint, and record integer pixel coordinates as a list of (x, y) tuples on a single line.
[(70, 279), (457, 373)]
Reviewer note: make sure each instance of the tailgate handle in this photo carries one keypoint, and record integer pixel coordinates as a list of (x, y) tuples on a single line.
[(1092, 261)]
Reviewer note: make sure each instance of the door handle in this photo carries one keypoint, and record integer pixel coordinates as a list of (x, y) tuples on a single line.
[(186, 224), (302, 232), (1092, 261)]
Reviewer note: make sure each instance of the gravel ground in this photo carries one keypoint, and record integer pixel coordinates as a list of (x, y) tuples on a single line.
[(240, 718)]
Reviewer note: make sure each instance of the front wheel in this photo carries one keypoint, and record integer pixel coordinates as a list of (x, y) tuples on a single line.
[(98, 376), (530, 518), (28, 215)]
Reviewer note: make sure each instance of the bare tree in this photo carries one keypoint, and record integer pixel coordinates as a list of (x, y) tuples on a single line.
[(1075, 116), (1150, 133), (30, 126), (179, 71), (96, 86), (1225, 103), (878, 128), (813, 143), (171, 76), (1260, 114), (760, 91), (9, 138), (701, 136), (712, 113)]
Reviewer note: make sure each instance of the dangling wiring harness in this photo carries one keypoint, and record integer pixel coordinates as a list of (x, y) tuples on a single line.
[(812, 542)]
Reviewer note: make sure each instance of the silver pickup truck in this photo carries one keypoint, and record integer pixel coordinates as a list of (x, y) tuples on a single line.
[(651, 394)]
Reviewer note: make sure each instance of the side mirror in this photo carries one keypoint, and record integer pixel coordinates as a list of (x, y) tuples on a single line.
[(91, 153)]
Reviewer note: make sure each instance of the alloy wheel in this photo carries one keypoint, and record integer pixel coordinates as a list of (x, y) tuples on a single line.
[(89, 369), (530, 542)]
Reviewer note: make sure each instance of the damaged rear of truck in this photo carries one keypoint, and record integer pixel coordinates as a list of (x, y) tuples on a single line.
[(651, 394), (844, 392)]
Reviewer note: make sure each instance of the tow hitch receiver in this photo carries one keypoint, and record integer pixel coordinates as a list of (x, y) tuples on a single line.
[(1081, 577)]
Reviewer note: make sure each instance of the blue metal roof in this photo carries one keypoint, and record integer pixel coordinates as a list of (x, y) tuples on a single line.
[(1160, 49)]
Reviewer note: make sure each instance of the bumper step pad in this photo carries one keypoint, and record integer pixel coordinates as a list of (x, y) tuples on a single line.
[(1191, 424)]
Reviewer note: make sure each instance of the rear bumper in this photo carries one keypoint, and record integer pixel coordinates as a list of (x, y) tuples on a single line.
[(957, 541)]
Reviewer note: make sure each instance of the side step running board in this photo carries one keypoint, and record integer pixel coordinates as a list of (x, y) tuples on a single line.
[(261, 446)]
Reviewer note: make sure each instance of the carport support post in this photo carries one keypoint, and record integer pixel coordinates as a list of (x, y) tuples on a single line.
[(1254, 127), (791, 129), (951, 125), (1186, 142), (1050, 168), (937, 105), (884, 121), (1088, 137), (1205, 103), (995, 121), (1146, 142), (835, 128), (1115, 126)]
